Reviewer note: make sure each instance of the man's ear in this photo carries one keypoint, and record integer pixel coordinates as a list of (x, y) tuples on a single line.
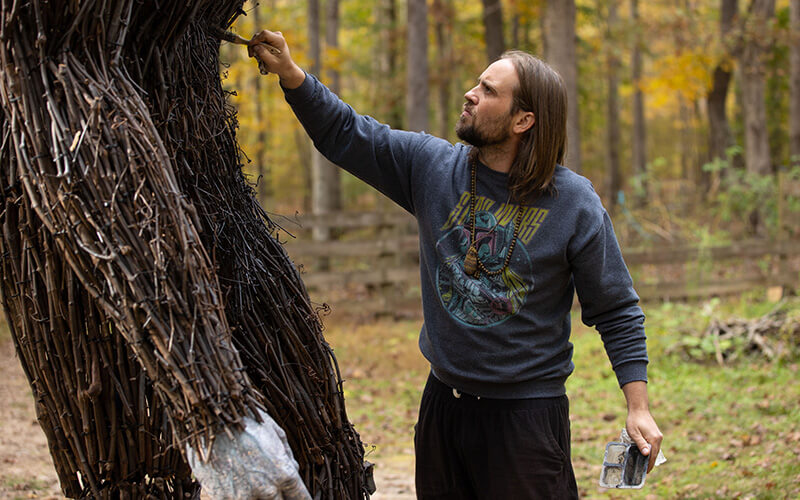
[(524, 121)]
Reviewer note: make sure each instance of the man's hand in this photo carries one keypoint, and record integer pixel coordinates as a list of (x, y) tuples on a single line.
[(641, 425), (290, 74), (257, 464)]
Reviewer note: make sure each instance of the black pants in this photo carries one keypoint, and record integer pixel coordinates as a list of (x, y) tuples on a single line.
[(487, 449)]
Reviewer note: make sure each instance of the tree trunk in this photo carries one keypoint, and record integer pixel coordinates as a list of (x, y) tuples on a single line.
[(753, 74), (753, 77), (612, 110), (515, 27), (314, 44), (443, 15), (325, 196), (386, 95), (560, 49), (264, 183), (315, 68), (720, 136), (417, 91), (639, 136), (685, 145), (794, 84), (493, 26), (332, 42), (329, 185)]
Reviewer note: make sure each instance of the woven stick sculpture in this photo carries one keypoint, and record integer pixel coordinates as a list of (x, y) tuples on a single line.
[(150, 306)]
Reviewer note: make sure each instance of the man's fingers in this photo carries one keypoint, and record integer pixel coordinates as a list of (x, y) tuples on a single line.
[(266, 60), (260, 52), (645, 448), (262, 36), (655, 448), (652, 462), (640, 441), (644, 432), (270, 38)]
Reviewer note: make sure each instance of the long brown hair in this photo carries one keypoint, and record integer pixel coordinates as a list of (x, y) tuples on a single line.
[(541, 90)]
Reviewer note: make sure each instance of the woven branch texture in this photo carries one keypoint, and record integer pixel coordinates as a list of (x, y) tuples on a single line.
[(149, 303)]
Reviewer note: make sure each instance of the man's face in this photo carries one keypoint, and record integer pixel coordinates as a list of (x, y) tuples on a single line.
[(486, 118)]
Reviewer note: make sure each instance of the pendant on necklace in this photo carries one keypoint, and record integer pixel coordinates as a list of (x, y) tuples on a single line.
[(471, 260)]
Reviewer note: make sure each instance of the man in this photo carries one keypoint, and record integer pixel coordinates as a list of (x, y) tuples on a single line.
[(506, 237)]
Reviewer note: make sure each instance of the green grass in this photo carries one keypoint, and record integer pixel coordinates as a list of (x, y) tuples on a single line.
[(729, 431), (25, 485)]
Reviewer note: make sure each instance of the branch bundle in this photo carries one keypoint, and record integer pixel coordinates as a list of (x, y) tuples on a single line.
[(771, 336), (149, 302)]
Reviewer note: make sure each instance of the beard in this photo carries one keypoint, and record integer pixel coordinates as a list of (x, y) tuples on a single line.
[(487, 134)]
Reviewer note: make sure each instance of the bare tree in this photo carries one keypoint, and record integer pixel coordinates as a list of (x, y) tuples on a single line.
[(794, 83), (315, 67), (332, 41), (755, 43), (417, 72), (443, 14), (493, 26), (639, 135), (515, 27), (390, 109), (720, 136), (328, 183), (560, 49), (753, 77), (325, 190), (686, 129), (262, 167), (612, 108)]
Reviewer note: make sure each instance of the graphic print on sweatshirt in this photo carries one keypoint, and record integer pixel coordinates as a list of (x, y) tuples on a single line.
[(487, 300)]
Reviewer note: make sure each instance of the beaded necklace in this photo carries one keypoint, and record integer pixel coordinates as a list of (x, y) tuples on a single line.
[(472, 263)]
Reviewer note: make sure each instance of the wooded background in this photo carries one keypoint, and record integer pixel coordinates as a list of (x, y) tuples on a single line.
[(685, 114)]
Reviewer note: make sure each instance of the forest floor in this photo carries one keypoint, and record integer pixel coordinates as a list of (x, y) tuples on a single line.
[(730, 431), (26, 469)]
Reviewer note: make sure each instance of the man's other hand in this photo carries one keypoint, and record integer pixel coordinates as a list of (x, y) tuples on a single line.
[(641, 425)]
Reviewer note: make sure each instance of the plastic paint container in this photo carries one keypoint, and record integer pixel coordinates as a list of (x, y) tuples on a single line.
[(623, 466)]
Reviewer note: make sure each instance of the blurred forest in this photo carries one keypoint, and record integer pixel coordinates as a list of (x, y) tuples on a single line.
[(685, 114)]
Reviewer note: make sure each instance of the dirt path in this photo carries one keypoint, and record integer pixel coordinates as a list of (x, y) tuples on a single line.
[(26, 470)]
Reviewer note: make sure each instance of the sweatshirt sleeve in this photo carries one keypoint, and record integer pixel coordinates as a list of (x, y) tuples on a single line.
[(608, 300), (372, 151)]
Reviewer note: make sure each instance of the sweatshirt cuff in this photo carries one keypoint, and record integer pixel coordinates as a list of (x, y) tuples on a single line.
[(631, 372), (301, 94)]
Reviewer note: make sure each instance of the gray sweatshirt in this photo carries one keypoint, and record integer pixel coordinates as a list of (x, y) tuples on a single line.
[(503, 336)]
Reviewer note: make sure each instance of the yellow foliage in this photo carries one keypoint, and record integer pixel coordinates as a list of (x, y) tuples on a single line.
[(687, 74)]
